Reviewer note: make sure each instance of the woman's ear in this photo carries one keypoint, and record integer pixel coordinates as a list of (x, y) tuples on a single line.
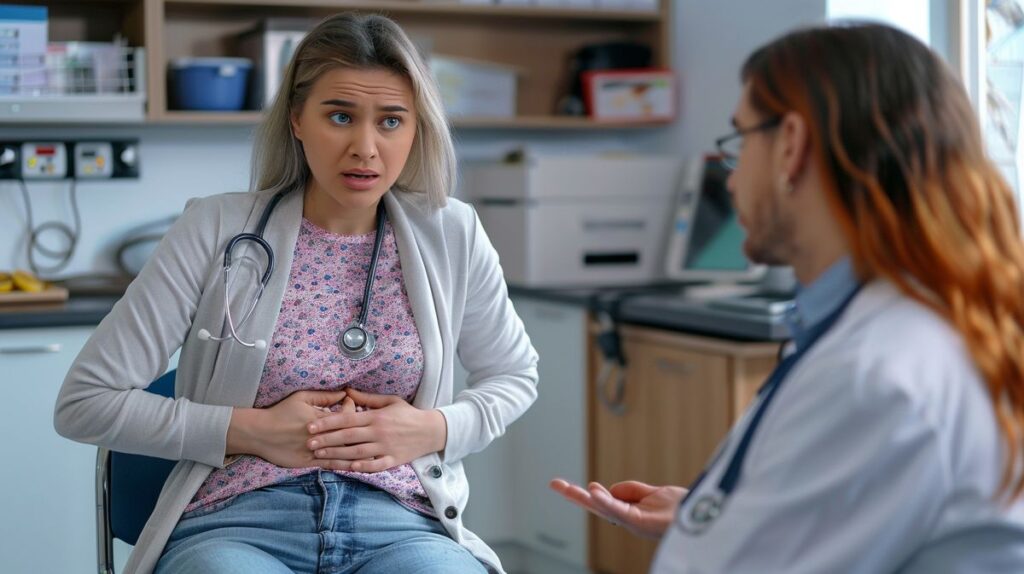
[(296, 126)]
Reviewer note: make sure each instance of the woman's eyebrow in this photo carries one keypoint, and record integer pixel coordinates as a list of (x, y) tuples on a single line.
[(350, 104)]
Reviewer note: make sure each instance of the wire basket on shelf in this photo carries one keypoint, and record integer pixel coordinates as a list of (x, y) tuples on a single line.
[(77, 81)]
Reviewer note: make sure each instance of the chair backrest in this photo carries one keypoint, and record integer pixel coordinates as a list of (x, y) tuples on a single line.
[(136, 480)]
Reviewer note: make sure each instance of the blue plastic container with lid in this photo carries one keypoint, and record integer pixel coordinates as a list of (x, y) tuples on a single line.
[(210, 84)]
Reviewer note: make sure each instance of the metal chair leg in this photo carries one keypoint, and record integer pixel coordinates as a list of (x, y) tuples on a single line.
[(104, 538)]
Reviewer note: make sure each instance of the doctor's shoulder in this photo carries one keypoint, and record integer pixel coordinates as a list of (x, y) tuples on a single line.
[(908, 348)]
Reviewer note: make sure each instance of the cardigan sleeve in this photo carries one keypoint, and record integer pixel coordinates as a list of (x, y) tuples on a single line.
[(103, 400), (494, 348)]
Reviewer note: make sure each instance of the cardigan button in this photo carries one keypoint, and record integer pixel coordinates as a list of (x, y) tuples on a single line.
[(435, 471), (451, 512)]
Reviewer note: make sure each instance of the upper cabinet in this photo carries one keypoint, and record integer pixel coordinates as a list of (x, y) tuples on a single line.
[(520, 56)]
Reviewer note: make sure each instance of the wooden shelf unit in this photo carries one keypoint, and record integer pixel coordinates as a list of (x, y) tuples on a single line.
[(521, 122), (418, 8), (537, 40)]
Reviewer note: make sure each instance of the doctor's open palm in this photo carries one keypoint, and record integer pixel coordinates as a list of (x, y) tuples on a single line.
[(643, 509)]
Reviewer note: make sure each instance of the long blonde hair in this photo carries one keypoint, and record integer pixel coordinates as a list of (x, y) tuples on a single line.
[(360, 41), (908, 180)]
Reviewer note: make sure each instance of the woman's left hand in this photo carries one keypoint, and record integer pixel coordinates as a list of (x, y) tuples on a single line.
[(388, 433)]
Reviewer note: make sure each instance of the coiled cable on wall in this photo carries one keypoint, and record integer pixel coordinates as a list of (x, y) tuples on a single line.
[(33, 243)]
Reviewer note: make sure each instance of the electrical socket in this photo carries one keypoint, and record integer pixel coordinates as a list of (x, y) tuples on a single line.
[(10, 160), (80, 159)]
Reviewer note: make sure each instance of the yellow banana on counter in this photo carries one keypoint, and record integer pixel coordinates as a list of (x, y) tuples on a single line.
[(6, 282), (28, 282)]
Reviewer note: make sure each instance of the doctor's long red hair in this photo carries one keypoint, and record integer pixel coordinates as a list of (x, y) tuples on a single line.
[(894, 134)]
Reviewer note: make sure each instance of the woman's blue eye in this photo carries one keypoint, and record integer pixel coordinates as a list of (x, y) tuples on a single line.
[(340, 118), (391, 123)]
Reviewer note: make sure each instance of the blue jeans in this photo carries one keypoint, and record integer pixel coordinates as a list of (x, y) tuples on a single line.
[(318, 523)]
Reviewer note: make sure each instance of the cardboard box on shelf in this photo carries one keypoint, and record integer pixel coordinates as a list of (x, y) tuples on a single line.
[(471, 88)]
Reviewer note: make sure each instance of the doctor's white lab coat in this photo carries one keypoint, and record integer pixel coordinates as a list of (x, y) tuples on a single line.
[(880, 453)]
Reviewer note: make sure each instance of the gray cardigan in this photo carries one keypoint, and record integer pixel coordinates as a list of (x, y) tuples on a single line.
[(459, 302)]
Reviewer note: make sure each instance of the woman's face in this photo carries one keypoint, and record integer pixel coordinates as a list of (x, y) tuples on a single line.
[(357, 128)]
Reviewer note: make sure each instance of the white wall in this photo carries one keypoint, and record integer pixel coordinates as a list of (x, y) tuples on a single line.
[(183, 162), (187, 161), (713, 38), (911, 15), (177, 163)]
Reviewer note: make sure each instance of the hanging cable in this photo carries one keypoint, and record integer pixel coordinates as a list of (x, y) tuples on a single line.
[(63, 256)]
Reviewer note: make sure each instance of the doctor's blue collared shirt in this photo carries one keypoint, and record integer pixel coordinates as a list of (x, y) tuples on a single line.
[(819, 299)]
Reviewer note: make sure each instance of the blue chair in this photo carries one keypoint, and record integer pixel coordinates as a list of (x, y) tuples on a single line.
[(127, 486)]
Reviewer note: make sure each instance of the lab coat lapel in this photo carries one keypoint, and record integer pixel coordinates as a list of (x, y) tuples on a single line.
[(236, 376), (418, 285)]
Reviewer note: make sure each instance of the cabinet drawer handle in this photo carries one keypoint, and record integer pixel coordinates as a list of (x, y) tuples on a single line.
[(673, 367), (611, 387), (31, 350)]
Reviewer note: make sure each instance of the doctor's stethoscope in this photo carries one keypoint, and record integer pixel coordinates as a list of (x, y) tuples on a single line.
[(708, 507), (355, 342)]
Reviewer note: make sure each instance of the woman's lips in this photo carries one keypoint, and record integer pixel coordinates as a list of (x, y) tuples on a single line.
[(360, 180)]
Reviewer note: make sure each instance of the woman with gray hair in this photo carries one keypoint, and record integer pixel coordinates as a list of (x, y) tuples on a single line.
[(318, 318)]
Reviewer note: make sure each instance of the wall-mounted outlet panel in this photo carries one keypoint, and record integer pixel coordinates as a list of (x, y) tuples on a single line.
[(78, 159)]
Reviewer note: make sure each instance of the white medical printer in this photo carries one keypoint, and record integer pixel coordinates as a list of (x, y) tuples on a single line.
[(575, 220)]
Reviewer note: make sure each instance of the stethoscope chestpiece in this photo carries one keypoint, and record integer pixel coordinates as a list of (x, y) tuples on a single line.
[(357, 343), (705, 511)]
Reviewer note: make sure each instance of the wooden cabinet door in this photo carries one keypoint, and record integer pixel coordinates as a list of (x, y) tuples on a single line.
[(677, 408)]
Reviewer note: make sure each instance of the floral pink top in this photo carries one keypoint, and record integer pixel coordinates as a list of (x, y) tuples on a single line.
[(325, 288)]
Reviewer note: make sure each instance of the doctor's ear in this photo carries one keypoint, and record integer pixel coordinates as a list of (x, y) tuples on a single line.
[(792, 146), (293, 119)]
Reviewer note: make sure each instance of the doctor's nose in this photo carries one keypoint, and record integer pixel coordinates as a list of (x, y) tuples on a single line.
[(730, 184)]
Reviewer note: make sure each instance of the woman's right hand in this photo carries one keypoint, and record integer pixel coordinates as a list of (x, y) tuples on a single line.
[(278, 434)]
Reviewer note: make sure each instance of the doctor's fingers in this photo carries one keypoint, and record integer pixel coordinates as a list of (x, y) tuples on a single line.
[(343, 437), (631, 490), (605, 503), (341, 420), (579, 496)]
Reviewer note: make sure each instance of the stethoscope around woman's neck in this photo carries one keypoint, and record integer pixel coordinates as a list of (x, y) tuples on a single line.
[(355, 342)]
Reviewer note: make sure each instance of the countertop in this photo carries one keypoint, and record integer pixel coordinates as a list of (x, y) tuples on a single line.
[(626, 303), (76, 311), (89, 309), (593, 296)]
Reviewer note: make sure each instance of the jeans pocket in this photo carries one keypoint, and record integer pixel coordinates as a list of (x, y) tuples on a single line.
[(210, 507)]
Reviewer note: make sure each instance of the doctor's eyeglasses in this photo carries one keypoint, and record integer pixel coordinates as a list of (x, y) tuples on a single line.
[(729, 146)]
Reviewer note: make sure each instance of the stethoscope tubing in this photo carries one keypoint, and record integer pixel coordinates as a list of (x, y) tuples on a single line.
[(360, 324), (708, 507)]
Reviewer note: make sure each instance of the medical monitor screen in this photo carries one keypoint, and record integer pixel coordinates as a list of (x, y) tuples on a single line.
[(716, 238)]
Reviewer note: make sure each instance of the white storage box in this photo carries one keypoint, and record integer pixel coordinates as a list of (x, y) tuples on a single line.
[(576, 221), (270, 45), (475, 89)]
